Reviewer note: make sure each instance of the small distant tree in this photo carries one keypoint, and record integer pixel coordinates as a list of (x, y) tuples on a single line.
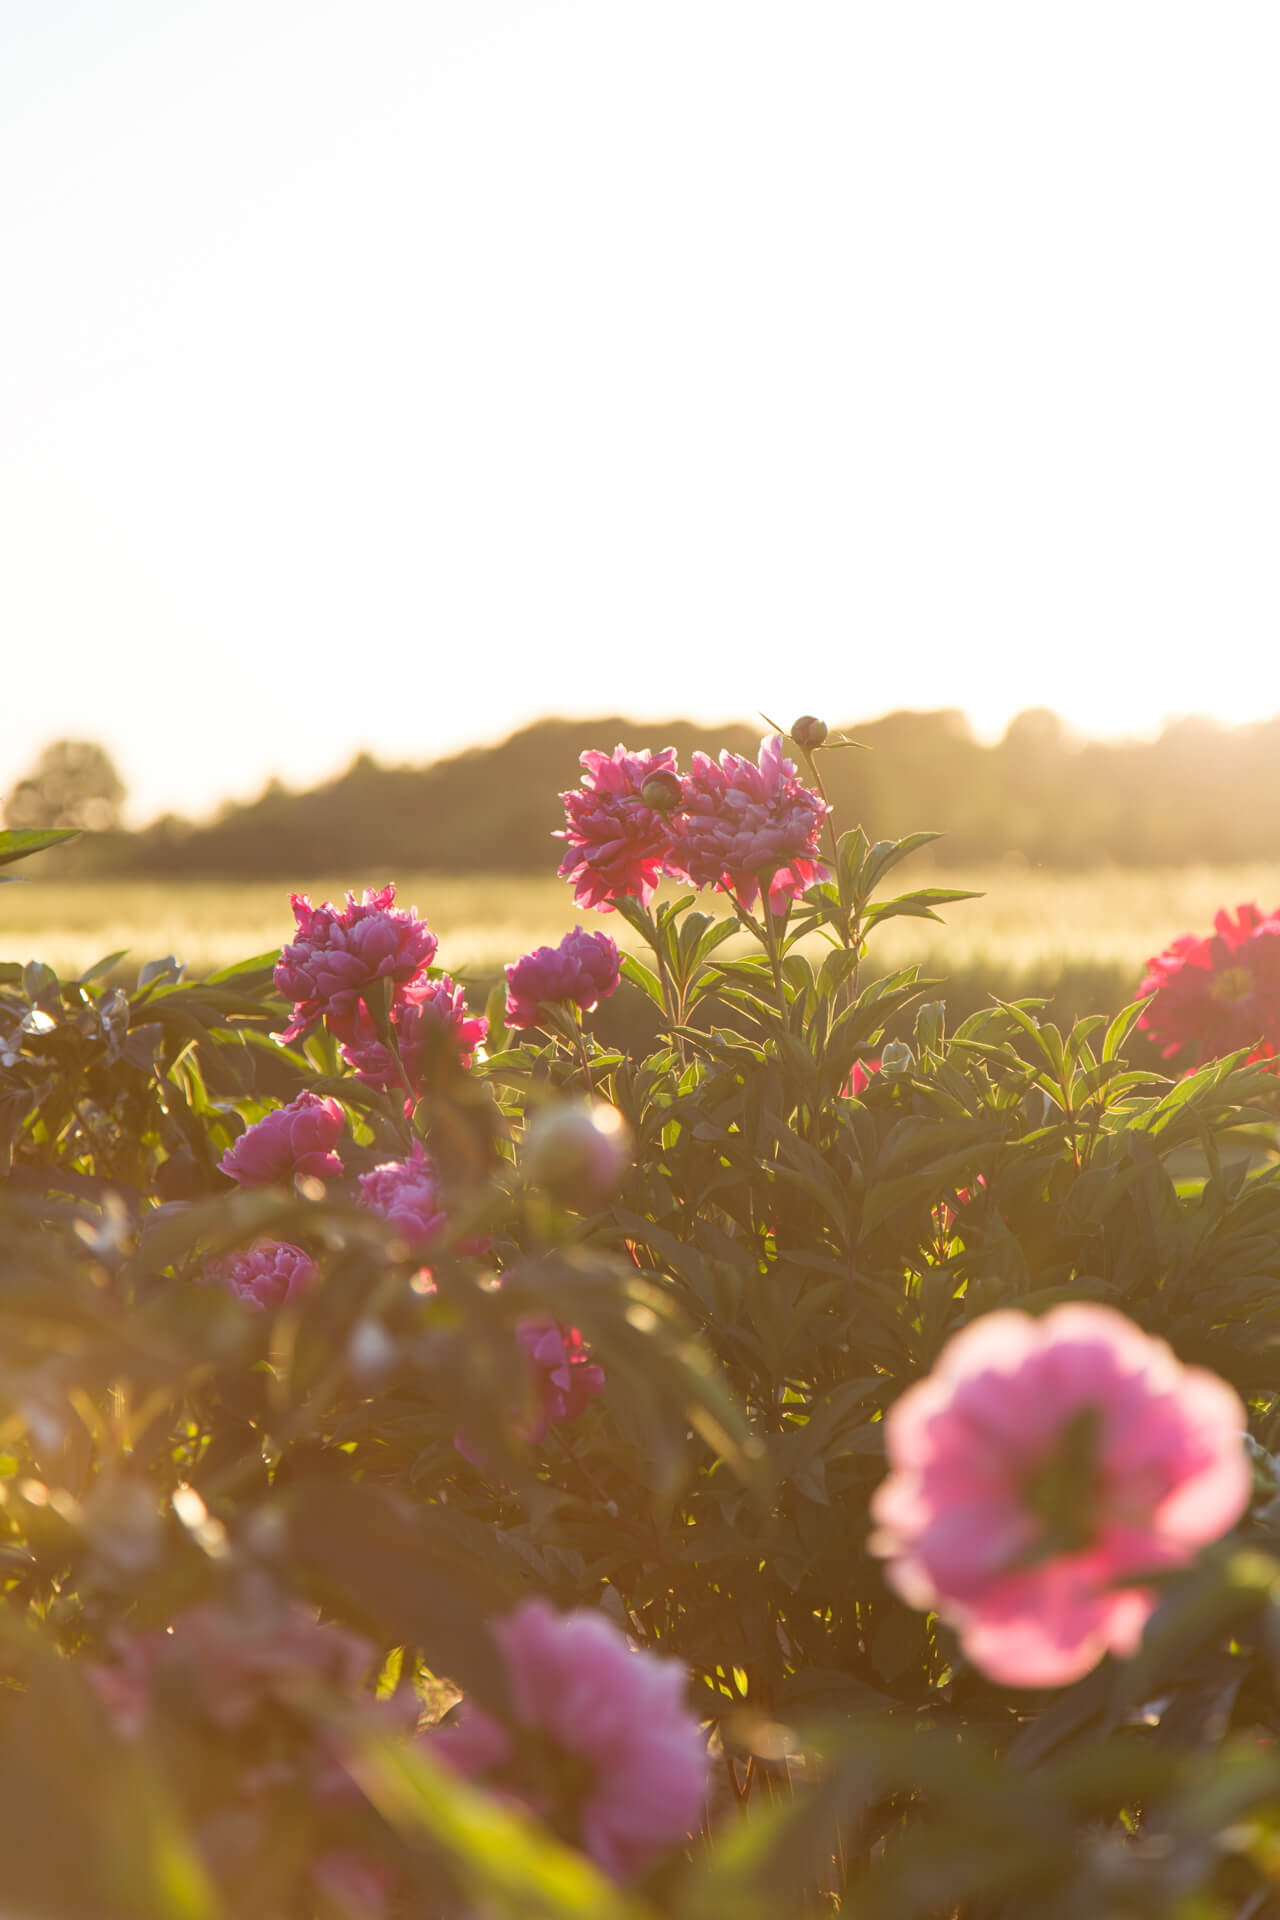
[(73, 784)]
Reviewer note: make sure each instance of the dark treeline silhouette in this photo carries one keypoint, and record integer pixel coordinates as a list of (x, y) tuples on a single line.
[(1200, 792)]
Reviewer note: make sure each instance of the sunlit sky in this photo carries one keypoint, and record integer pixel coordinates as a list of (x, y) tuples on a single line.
[(384, 373)]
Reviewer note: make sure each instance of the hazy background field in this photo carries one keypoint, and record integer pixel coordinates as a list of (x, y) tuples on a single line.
[(1031, 925)]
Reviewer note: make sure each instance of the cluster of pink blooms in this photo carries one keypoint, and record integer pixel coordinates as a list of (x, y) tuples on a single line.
[(603, 1745), (431, 1021), (735, 824), (299, 1138), (582, 971), (339, 953), (271, 1273), (1039, 1472), (1217, 994)]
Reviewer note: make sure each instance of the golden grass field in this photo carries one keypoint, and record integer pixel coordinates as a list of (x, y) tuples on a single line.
[(1031, 923)]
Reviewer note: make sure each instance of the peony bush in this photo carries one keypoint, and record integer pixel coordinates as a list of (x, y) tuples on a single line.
[(822, 1461)]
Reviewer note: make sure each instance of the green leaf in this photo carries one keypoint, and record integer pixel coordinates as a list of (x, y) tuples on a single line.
[(20, 843)]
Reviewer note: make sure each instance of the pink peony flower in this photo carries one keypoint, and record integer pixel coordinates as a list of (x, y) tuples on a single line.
[(431, 1022), (566, 1377), (1219, 993), (617, 840), (608, 1752), (338, 953), (299, 1138), (269, 1274), (742, 826), (584, 969), (1041, 1465), (407, 1193)]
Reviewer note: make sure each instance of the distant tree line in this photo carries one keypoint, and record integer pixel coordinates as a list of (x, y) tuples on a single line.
[(1200, 792)]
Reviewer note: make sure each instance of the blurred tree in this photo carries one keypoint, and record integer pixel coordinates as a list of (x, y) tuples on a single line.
[(73, 784)]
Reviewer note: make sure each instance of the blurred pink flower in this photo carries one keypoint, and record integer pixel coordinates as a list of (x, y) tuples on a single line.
[(1219, 993), (232, 1664), (358, 1887), (431, 1023), (584, 969), (339, 952), (407, 1193), (742, 826), (566, 1380), (860, 1078), (621, 1760), (299, 1138), (268, 1274), (617, 841), (1040, 1464)]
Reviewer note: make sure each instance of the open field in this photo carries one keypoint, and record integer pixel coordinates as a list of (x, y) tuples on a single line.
[(1031, 924)]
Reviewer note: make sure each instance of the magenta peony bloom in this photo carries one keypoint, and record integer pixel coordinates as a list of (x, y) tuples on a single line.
[(269, 1274), (1220, 993), (338, 953), (568, 1379), (299, 1138), (584, 969), (617, 840), (860, 1078), (612, 1756), (742, 826), (431, 1021), (1040, 1464), (407, 1193)]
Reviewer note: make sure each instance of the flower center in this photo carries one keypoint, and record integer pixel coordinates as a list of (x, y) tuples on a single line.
[(1063, 1490), (1233, 987)]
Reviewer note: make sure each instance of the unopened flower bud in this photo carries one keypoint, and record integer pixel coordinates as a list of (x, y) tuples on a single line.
[(662, 791), (809, 732), (371, 1352), (897, 1058), (578, 1151)]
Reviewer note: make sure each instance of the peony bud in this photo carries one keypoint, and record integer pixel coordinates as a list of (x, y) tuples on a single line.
[(578, 1151), (897, 1058), (662, 791), (809, 732)]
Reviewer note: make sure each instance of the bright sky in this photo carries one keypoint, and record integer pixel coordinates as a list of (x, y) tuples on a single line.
[(384, 373)]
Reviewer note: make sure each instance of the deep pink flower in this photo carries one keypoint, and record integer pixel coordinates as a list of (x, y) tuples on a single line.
[(860, 1078), (617, 841), (616, 1757), (742, 826), (584, 969), (407, 1193), (299, 1138), (268, 1274), (1040, 1464), (431, 1022), (1219, 993), (566, 1381), (339, 952)]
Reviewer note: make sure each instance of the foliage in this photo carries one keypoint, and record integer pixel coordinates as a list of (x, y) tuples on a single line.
[(781, 1262)]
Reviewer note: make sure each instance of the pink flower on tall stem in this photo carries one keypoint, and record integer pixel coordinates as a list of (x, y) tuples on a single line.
[(339, 952), (1217, 994), (617, 840), (431, 1025), (299, 1138), (566, 1381), (271, 1273), (610, 1755), (583, 970), (1039, 1472), (743, 826), (407, 1194)]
